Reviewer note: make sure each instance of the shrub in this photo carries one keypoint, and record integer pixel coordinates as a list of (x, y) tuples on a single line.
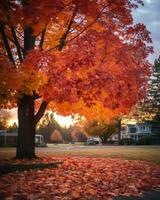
[(111, 142), (148, 140), (41, 145), (126, 141)]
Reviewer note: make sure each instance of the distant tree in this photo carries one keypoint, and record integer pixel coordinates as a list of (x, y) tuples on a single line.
[(78, 134), (109, 131), (154, 90), (94, 127), (66, 134), (142, 112), (47, 125), (4, 117), (117, 127), (56, 137), (149, 108), (100, 128), (3, 124), (13, 128)]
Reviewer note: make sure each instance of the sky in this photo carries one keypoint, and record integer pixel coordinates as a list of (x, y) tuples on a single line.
[(63, 121), (149, 14)]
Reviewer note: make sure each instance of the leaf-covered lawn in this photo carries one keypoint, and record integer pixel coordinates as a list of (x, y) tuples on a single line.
[(148, 153), (81, 178)]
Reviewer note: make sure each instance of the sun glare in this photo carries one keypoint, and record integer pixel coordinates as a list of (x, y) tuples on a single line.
[(64, 121), (148, 1), (11, 122)]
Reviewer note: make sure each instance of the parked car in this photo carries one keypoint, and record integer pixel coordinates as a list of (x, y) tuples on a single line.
[(92, 142)]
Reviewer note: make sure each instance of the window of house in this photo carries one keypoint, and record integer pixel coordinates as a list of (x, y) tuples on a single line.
[(133, 130), (144, 128)]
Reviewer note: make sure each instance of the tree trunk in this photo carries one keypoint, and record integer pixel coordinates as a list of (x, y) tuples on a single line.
[(26, 129), (26, 121), (119, 130)]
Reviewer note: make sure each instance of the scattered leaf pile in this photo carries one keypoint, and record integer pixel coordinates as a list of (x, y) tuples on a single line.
[(81, 178)]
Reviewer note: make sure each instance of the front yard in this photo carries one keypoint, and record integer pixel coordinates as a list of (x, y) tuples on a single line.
[(148, 153), (86, 173)]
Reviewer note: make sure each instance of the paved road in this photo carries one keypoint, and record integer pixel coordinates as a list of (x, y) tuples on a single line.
[(150, 195)]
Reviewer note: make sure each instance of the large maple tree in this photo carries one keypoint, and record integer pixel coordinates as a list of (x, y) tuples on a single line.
[(83, 56)]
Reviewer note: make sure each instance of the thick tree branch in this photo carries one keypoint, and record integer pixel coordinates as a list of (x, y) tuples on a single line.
[(63, 38), (62, 41), (6, 43), (89, 25), (36, 96), (83, 30), (15, 39), (11, 40), (42, 38), (41, 111), (17, 44), (29, 40), (19, 33)]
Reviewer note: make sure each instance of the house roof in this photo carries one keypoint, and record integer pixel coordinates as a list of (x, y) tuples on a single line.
[(139, 124)]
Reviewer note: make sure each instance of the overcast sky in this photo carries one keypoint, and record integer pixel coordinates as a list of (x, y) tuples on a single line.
[(149, 14)]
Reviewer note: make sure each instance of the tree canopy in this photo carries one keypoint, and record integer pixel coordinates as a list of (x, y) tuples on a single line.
[(87, 57)]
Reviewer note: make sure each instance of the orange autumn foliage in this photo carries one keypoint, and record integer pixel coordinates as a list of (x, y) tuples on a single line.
[(88, 57)]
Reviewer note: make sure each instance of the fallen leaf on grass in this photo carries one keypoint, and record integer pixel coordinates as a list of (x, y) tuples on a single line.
[(82, 179)]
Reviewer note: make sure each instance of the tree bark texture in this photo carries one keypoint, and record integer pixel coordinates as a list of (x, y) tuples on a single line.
[(26, 128)]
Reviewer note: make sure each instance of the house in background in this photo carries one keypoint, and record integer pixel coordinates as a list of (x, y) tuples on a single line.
[(39, 139), (155, 128), (136, 131), (10, 139)]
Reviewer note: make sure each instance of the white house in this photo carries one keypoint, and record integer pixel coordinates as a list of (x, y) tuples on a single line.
[(136, 131), (39, 139)]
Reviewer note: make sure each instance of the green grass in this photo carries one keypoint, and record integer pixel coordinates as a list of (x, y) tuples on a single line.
[(148, 153)]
